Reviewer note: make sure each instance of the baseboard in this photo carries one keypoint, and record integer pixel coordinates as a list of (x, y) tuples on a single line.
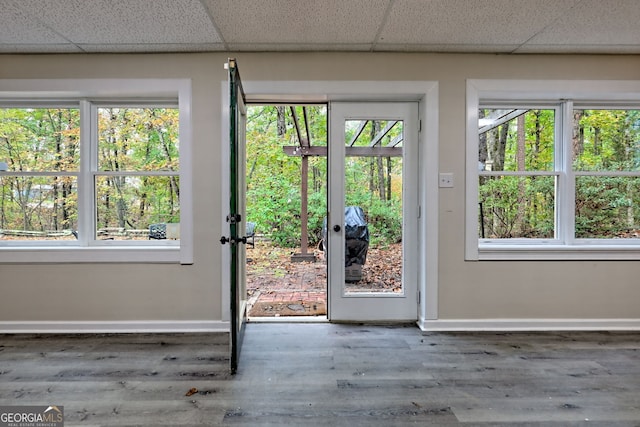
[(474, 325), (71, 327)]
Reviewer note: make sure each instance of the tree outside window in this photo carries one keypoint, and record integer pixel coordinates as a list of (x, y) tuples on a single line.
[(131, 172), (521, 161)]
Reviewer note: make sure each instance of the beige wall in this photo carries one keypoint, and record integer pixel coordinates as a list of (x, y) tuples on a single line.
[(467, 290)]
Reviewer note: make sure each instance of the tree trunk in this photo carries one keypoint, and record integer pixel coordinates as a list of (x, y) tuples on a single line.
[(381, 180), (281, 121), (372, 172), (388, 178), (501, 145), (578, 134), (482, 147)]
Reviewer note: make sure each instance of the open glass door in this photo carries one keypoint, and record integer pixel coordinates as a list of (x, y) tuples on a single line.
[(373, 212), (236, 218)]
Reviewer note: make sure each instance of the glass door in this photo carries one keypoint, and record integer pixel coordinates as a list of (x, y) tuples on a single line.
[(372, 224)]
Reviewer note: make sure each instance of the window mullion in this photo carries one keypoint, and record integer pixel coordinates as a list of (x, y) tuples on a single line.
[(565, 219), (85, 181)]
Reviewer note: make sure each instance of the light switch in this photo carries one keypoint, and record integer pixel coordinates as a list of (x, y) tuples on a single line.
[(445, 180)]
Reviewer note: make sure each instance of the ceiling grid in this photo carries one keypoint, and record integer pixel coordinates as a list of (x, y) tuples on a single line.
[(469, 26)]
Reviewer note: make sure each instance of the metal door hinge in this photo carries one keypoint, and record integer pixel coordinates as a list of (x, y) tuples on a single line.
[(234, 219)]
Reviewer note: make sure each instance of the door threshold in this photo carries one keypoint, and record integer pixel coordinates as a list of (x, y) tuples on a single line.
[(289, 319)]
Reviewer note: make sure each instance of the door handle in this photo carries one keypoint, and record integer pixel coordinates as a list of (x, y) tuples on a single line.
[(336, 228), (233, 240)]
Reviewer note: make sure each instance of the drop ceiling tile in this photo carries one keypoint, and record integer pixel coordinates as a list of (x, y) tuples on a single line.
[(126, 21), (595, 22), (298, 22), (17, 26), (39, 48), (446, 48), (617, 49), (149, 47), (469, 22), (298, 47)]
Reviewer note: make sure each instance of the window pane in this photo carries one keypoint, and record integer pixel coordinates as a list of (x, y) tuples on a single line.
[(607, 207), (516, 207), (373, 206), (138, 139), (516, 139), (128, 205), (40, 139), (606, 140), (39, 208)]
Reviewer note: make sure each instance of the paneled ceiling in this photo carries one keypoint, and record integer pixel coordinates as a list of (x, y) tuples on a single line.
[(487, 26)]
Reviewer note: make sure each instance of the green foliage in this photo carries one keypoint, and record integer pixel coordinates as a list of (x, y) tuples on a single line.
[(611, 140), (39, 140), (385, 221), (517, 207), (606, 206), (273, 180), (538, 144), (47, 141), (137, 140)]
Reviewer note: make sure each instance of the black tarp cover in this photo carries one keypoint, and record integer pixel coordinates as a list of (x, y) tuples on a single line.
[(356, 233)]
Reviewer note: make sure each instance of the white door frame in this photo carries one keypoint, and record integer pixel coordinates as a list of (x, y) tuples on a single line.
[(426, 93), (374, 306)]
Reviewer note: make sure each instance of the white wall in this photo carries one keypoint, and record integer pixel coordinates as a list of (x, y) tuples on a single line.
[(467, 290)]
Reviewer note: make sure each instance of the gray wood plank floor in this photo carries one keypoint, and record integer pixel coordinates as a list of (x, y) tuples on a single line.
[(329, 375)]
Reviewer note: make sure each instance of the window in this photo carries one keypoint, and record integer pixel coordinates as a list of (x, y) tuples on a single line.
[(39, 190), (553, 174), (136, 182), (87, 180), (517, 175), (606, 166)]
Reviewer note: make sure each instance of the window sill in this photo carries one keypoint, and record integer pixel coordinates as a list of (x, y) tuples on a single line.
[(557, 252), (106, 254)]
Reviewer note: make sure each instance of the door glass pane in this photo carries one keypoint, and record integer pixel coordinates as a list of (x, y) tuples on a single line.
[(373, 206)]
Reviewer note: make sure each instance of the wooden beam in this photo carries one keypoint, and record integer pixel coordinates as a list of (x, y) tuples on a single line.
[(395, 141), (304, 196), (302, 141), (293, 150), (503, 117), (382, 133), (306, 125), (356, 135)]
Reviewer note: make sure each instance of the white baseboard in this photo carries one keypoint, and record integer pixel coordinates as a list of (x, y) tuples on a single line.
[(477, 325), (71, 327)]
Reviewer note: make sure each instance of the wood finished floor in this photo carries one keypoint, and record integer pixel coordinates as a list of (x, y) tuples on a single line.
[(329, 375)]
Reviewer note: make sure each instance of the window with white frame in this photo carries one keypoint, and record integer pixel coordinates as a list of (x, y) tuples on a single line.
[(88, 180), (517, 174), (136, 182), (553, 176)]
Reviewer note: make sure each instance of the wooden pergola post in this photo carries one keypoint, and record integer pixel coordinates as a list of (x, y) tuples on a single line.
[(305, 144)]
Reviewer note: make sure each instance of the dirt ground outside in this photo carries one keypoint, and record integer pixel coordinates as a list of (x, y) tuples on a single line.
[(277, 287)]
